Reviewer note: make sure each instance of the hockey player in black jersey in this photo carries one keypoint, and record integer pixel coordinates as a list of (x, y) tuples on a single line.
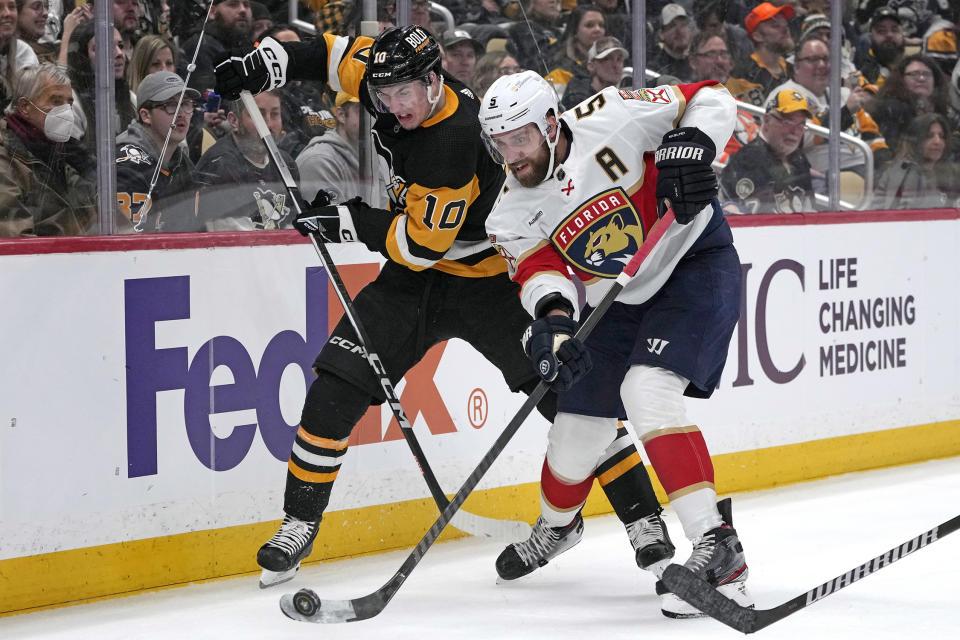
[(441, 279)]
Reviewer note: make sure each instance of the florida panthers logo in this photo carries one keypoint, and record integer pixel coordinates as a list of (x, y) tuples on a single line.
[(601, 235), (615, 240)]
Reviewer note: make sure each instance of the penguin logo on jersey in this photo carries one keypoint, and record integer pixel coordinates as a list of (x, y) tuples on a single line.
[(601, 235)]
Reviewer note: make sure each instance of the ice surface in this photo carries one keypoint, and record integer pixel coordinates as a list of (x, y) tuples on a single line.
[(795, 538)]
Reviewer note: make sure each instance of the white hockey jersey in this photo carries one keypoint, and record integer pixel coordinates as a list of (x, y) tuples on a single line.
[(596, 210)]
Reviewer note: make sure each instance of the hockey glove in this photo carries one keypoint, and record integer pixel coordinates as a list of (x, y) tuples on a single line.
[(333, 223), (559, 358), (685, 176), (262, 69)]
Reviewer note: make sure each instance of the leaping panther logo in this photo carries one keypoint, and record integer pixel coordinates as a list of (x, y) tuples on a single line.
[(616, 240)]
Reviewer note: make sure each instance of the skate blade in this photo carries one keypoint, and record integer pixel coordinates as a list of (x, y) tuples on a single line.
[(272, 578), (524, 578), (675, 607)]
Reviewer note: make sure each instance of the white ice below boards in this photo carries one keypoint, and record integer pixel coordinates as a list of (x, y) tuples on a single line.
[(795, 537)]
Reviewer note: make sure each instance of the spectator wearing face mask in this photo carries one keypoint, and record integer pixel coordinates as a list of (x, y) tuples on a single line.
[(47, 180)]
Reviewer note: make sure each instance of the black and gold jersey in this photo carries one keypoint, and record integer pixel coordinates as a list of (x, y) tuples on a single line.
[(440, 180)]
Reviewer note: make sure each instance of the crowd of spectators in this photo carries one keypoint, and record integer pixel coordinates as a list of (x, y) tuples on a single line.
[(187, 161)]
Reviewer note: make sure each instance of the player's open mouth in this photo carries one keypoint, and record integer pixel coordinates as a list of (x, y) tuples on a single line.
[(518, 167)]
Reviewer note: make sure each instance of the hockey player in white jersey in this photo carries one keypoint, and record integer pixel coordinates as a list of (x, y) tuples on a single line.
[(583, 191)]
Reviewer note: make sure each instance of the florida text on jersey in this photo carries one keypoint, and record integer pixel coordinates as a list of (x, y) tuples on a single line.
[(598, 207), (440, 180)]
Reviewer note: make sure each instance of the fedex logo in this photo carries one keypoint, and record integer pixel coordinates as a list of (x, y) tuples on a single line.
[(150, 370)]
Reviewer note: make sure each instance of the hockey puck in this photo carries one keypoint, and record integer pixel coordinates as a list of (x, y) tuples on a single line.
[(306, 602)]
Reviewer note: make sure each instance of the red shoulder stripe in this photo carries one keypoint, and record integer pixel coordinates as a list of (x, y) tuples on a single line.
[(543, 259), (689, 89)]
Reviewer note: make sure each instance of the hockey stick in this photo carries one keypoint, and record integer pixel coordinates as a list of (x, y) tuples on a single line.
[(687, 585), (509, 530), (305, 605)]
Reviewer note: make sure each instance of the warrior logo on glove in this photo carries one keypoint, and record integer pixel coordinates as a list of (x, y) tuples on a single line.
[(685, 179)]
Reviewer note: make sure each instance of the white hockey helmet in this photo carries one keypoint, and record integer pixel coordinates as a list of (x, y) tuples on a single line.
[(515, 101)]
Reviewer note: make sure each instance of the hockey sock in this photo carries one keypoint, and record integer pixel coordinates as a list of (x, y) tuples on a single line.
[(679, 456), (574, 444), (332, 408), (561, 499), (653, 398), (624, 479)]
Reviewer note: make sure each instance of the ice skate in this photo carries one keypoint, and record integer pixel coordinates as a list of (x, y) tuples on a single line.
[(718, 558), (280, 556), (543, 545), (651, 541)]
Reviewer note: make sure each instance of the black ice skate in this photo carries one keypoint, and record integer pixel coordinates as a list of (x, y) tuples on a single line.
[(717, 558), (280, 556), (652, 543), (544, 544)]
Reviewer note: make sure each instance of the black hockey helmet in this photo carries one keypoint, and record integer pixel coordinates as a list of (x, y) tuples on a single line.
[(402, 54)]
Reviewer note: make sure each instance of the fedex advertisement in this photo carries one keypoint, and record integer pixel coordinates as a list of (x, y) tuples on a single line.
[(156, 390)]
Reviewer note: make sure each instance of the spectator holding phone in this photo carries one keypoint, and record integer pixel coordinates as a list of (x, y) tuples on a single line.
[(246, 191)]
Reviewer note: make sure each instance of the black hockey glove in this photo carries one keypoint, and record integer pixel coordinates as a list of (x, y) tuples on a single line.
[(263, 68), (685, 176), (333, 223), (559, 358)]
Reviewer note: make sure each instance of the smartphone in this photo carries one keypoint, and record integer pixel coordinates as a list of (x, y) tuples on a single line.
[(212, 102)]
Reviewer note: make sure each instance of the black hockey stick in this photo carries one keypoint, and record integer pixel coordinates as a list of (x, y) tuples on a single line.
[(510, 530), (307, 606), (687, 585)]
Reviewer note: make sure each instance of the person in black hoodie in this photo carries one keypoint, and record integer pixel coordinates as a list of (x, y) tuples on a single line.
[(245, 190), (172, 203)]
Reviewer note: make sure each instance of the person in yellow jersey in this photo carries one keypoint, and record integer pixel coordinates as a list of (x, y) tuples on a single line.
[(442, 279)]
